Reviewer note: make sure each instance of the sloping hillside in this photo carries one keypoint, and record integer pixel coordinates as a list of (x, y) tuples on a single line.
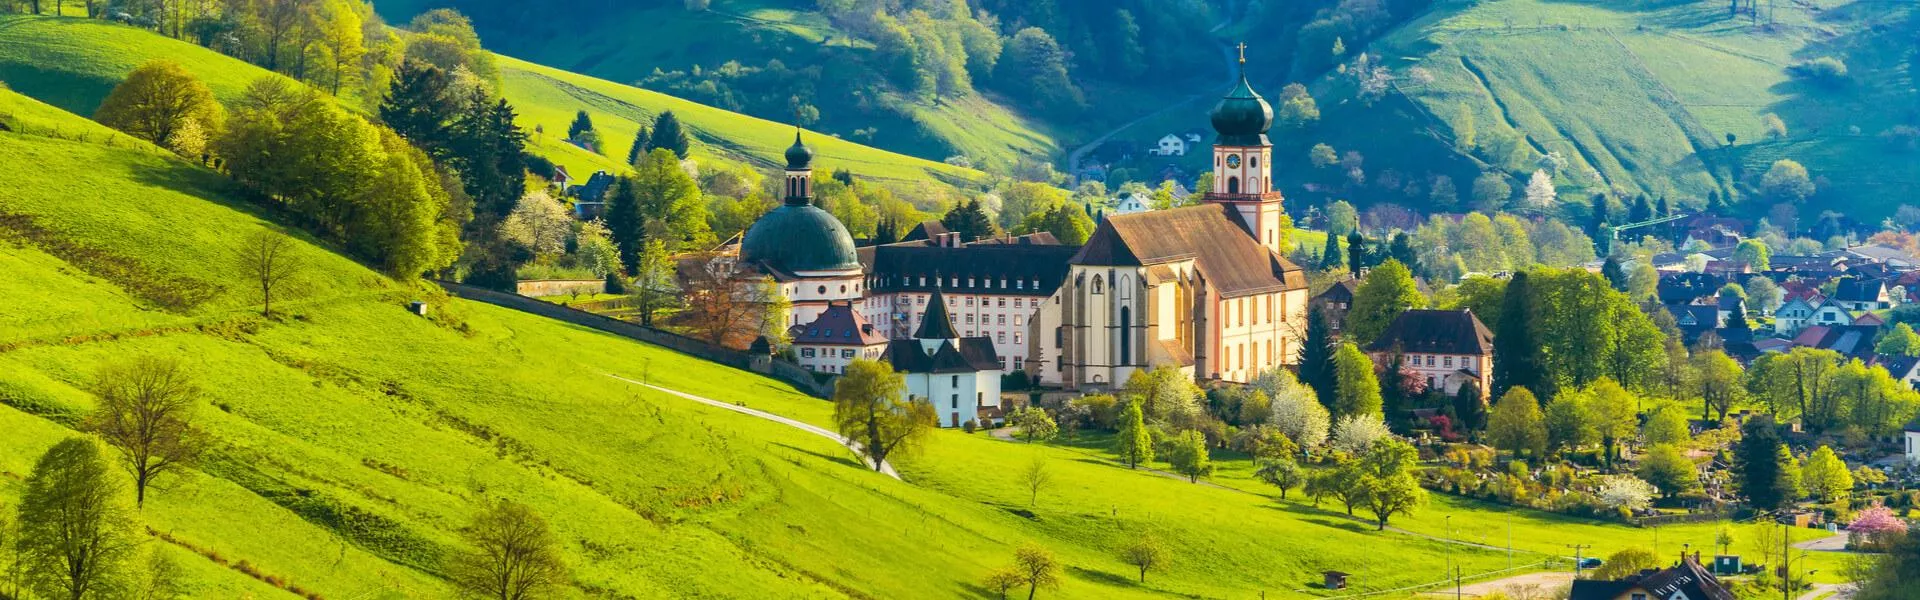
[(1643, 94), (602, 40), (353, 439), (73, 63)]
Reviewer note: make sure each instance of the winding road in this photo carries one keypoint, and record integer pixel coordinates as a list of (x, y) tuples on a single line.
[(886, 468)]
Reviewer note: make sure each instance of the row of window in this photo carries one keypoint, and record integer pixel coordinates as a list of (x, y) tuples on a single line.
[(1005, 284)]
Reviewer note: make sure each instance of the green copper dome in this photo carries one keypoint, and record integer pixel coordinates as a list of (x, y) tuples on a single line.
[(800, 237), (799, 157), (1242, 117)]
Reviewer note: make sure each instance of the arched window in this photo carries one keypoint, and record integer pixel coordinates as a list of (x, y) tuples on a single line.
[(1126, 335), (803, 187), (1233, 185), (1253, 184), (1254, 162)]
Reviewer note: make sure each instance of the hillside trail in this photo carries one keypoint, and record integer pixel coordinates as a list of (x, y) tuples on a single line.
[(1226, 51), (886, 468)]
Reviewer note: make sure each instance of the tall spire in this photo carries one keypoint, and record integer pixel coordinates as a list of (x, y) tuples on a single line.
[(935, 324), (799, 172)]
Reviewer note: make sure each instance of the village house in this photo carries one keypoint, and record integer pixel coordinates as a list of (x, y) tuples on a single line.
[(1128, 203), (1444, 349), (1853, 293), (1169, 145), (1335, 302), (1688, 580), (834, 339)]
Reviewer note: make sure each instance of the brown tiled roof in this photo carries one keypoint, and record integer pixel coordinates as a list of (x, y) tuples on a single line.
[(1435, 332), (840, 325), (1225, 253)]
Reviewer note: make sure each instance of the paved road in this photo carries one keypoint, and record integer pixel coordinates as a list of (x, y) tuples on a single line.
[(1833, 543), (1544, 582), (1232, 62), (886, 468)]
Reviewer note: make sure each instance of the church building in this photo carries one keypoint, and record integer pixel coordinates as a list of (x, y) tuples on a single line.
[(1202, 288), (803, 248)]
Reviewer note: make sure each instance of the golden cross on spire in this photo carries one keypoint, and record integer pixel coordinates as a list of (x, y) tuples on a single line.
[(1243, 52)]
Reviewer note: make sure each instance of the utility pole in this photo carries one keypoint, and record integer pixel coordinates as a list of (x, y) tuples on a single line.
[(1577, 548), (1786, 562), (1456, 582)]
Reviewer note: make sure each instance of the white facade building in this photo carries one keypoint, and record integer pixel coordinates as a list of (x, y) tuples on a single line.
[(959, 375)]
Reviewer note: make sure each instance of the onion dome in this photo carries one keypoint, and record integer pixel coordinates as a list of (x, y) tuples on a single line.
[(797, 238), (1242, 118), (799, 157)]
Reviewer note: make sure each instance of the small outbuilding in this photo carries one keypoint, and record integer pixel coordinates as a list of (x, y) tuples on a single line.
[(1335, 580)]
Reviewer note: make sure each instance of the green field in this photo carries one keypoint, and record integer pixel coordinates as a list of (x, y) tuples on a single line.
[(73, 63), (354, 439), (1644, 93), (751, 32)]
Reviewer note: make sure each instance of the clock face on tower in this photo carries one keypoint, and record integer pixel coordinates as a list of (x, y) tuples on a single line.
[(1233, 161)]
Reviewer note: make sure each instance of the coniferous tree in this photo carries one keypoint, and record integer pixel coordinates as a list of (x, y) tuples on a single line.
[(1642, 210), (1469, 408), (1616, 276), (626, 222), (1516, 355), (845, 177), (1331, 257), (670, 134), (1401, 249), (581, 124), (489, 151), (1316, 358), (887, 231), (1600, 215), (641, 140), (1665, 209), (1757, 461), (419, 107), (969, 220)]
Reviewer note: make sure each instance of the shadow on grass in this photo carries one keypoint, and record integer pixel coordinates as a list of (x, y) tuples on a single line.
[(1322, 517), (975, 591), (1101, 577), (843, 459)]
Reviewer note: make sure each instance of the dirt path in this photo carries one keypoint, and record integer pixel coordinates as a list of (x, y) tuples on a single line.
[(885, 467)]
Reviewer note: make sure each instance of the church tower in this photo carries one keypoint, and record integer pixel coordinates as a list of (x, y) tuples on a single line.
[(1243, 159), (799, 173)]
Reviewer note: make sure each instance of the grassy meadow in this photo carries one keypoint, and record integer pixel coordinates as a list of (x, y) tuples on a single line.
[(754, 32), (1645, 93), (73, 63), (352, 439)]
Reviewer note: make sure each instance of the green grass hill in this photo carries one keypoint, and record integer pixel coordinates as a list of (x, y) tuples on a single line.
[(73, 63), (1643, 94), (599, 40), (353, 438)]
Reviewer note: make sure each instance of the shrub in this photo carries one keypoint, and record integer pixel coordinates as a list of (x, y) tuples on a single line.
[(1825, 70)]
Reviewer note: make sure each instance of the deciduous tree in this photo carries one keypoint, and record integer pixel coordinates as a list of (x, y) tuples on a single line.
[(511, 555), (146, 410), (870, 406), (270, 260), (1667, 467), (1826, 476), (156, 100), (1036, 477), (1187, 452), (1134, 442), (1517, 425), (76, 538), (1387, 291), (1145, 553), (1037, 567), (1357, 390)]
